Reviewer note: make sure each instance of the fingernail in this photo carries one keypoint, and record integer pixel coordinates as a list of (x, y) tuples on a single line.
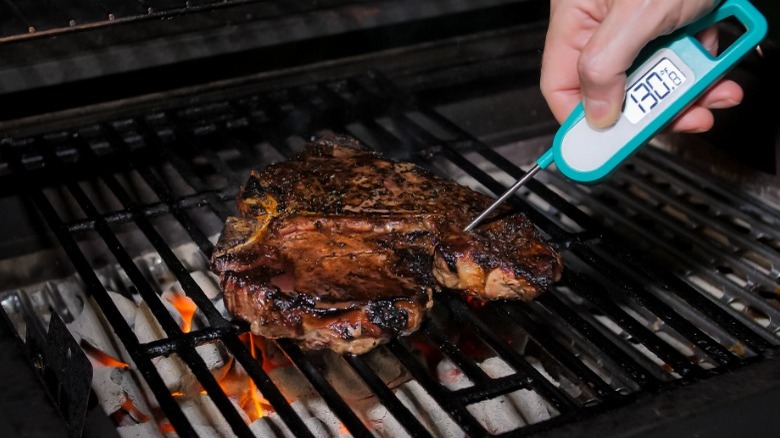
[(725, 103), (599, 113)]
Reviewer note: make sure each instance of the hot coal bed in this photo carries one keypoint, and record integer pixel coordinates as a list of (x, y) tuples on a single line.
[(666, 320)]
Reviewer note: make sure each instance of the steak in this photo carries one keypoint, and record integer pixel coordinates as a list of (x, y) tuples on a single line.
[(340, 248)]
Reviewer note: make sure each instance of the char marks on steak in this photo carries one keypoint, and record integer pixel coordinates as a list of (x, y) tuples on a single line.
[(340, 248)]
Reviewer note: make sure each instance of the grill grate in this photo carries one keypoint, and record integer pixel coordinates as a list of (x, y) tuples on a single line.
[(669, 277)]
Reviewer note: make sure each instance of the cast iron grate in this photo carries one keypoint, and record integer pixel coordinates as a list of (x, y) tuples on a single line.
[(669, 277)]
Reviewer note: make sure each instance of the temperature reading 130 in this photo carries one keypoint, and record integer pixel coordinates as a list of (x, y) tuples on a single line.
[(652, 88)]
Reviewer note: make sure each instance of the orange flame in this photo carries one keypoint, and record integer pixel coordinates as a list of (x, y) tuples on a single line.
[(271, 358), (258, 410), (101, 357), (237, 385), (186, 308)]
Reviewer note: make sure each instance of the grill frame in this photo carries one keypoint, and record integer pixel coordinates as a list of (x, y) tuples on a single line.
[(597, 246)]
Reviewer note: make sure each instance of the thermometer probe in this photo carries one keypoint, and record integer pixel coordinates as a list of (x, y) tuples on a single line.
[(668, 76)]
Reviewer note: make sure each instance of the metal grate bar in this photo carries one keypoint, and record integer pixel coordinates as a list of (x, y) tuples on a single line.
[(189, 285), (264, 115), (301, 101), (559, 352), (170, 345), (724, 315), (157, 209), (196, 142), (186, 351), (591, 289), (241, 139), (657, 307), (331, 397), (10, 181), (559, 399), (218, 396), (250, 364), (162, 192), (247, 137), (466, 364), (444, 398), (695, 181), (386, 142), (215, 202), (495, 388), (634, 370), (167, 323), (737, 244), (710, 220), (266, 386), (388, 398), (684, 234), (96, 289), (238, 349)]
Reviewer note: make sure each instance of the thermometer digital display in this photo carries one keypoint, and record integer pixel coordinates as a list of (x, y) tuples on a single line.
[(651, 89)]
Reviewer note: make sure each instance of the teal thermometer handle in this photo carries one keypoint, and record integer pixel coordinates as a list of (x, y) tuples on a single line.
[(587, 155)]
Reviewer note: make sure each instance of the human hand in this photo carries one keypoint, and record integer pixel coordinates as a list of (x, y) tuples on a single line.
[(591, 43)]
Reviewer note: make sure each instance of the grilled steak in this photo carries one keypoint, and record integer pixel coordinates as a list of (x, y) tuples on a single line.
[(343, 249)]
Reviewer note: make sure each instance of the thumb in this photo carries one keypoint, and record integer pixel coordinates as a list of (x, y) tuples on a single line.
[(612, 48), (603, 101)]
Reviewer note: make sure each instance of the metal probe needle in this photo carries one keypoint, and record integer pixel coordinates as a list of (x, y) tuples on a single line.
[(528, 175)]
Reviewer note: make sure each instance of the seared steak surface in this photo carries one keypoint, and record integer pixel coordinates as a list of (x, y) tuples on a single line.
[(343, 249)]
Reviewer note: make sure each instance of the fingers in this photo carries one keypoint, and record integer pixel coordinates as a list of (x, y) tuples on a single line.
[(614, 46), (591, 44), (694, 120), (724, 94), (709, 39), (568, 32), (610, 52), (699, 118)]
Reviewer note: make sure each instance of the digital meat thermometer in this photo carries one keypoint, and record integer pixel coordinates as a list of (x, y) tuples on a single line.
[(669, 75)]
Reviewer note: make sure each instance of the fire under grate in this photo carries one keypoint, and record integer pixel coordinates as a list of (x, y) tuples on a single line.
[(670, 278)]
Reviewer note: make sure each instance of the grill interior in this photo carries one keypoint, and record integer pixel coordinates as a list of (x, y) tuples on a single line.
[(671, 277)]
